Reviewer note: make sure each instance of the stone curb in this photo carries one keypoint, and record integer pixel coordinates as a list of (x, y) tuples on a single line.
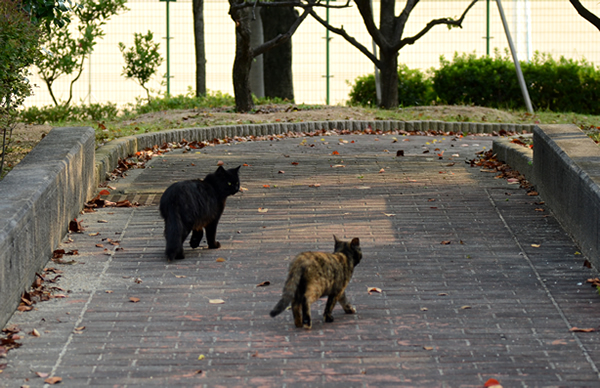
[(38, 198), (564, 166)]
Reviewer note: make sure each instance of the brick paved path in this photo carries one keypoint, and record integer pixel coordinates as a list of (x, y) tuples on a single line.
[(496, 302)]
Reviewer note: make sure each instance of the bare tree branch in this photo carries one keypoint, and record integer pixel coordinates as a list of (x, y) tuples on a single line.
[(291, 3), (366, 11), (433, 23), (281, 38), (351, 40), (587, 15)]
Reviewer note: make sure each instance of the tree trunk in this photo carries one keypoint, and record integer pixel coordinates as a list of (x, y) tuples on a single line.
[(243, 60), (277, 62), (257, 83), (389, 79), (198, 8)]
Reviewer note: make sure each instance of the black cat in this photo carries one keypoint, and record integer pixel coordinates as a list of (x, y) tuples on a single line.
[(195, 204)]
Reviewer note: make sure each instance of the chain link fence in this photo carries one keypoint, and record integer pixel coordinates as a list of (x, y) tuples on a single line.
[(547, 26)]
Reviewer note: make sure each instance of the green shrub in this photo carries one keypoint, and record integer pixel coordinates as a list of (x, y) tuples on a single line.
[(62, 113), (560, 86), (414, 88), (485, 81)]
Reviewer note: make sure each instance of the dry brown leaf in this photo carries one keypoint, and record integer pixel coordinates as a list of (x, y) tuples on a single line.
[(262, 210), (374, 289), (428, 347), (216, 301), (220, 260), (264, 284), (579, 330), (446, 242), (53, 380), (134, 299), (42, 374), (34, 333)]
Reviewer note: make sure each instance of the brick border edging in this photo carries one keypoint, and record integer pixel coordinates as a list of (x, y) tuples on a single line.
[(564, 167), (107, 156), (38, 198)]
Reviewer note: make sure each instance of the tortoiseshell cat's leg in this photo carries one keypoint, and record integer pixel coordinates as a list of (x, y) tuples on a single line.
[(297, 311), (348, 308), (211, 235), (196, 238), (327, 314), (306, 319)]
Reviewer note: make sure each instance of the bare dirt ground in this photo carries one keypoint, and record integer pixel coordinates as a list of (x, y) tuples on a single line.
[(25, 137)]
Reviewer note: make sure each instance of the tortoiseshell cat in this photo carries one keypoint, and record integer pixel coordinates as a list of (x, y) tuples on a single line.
[(313, 275), (193, 205)]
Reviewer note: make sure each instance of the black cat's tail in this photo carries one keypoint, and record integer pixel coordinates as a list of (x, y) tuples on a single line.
[(173, 231), (290, 289)]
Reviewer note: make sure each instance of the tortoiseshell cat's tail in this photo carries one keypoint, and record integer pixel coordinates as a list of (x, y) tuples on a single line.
[(290, 289)]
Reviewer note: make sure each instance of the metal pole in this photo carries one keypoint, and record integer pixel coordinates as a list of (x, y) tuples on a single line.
[(327, 75), (168, 53), (487, 27), (515, 59)]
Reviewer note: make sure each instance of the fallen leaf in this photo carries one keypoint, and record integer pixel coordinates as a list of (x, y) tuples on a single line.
[(314, 185), (79, 329), (587, 264), (295, 163), (443, 294), (102, 221), (465, 307), (109, 291), (216, 301), (264, 284), (389, 214), (180, 276), (281, 172), (338, 166), (220, 260), (374, 289), (424, 309), (42, 374), (532, 193), (446, 242), (99, 246), (381, 171), (492, 383), (75, 226), (428, 347), (93, 234), (134, 299), (262, 210), (53, 380), (104, 192), (266, 186), (220, 163), (34, 333), (539, 210), (245, 165), (579, 330), (201, 357), (536, 245), (335, 153)]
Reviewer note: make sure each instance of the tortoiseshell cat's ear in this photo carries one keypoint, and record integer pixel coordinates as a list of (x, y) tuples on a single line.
[(355, 242)]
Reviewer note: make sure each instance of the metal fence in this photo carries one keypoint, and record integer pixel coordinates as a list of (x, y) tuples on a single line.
[(547, 26)]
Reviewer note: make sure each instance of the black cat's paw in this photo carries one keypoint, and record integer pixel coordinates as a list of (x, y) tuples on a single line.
[(216, 245), (178, 256), (195, 243), (328, 318)]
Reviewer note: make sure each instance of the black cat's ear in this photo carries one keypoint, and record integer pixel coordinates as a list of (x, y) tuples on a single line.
[(220, 169), (236, 170), (335, 239), (355, 242)]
